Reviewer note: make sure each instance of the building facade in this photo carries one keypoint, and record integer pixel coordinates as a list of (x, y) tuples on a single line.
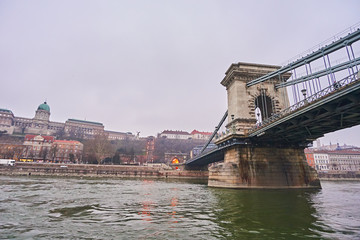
[(200, 135), (6, 121), (336, 161), (82, 129), (175, 134), (41, 124), (37, 147), (176, 158), (344, 161), (119, 135), (47, 149), (67, 151)]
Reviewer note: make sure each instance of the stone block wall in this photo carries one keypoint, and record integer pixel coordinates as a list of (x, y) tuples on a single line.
[(247, 166)]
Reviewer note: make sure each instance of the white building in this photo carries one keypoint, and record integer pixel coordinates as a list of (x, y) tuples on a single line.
[(200, 135), (344, 161), (175, 134), (337, 161), (321, 160)]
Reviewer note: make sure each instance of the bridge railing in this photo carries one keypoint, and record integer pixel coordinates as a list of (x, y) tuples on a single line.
[(324, 92)]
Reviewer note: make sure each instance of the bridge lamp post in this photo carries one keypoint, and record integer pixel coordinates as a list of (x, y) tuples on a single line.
[(303, 91)]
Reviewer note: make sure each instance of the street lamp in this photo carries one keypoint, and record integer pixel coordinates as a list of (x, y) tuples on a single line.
[(303, 91)]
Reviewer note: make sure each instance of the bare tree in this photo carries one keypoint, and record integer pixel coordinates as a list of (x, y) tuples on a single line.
[(44, 153), (53, 151), (99, 147), (72, 157), (18, 150)]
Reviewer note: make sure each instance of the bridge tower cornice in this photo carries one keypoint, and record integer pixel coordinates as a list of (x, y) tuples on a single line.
[(247, 72)]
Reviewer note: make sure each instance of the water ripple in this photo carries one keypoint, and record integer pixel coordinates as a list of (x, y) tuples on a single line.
[(62, 208)]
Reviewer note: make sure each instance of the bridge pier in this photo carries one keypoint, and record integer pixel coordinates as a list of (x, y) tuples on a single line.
[(250, 166)]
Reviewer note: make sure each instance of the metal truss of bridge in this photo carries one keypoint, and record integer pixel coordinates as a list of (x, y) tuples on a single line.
[(299, 102)]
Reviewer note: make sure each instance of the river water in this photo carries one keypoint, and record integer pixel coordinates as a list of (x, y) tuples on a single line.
[(74, 208)]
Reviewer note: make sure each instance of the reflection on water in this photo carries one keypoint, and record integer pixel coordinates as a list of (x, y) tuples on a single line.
[(271, 214), (54, 208)]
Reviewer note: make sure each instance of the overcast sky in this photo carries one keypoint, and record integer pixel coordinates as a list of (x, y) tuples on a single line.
[(151, 65)]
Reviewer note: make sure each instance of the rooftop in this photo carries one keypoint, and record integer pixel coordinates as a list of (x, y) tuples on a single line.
[(203, 133), (32, 136), (44, 106), (5, 110), (83, 121), (175, 132)]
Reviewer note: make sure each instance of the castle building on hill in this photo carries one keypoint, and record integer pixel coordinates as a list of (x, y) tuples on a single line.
[(41, 124), (170, 134)]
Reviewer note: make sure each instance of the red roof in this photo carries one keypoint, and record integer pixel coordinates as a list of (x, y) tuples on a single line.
[(202, 133), (29, 137), (344, 151), (340, 151)]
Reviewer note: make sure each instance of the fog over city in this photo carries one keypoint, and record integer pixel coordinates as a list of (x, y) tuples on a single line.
[(147, 66)]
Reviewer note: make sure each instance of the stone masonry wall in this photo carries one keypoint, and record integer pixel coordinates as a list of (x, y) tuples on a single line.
[(263, 167), (88, 170)]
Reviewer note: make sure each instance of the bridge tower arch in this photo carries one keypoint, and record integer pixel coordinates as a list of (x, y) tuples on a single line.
[(243, 100), (264, 106)]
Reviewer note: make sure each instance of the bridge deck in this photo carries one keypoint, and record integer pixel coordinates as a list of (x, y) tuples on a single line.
[(338, 109)]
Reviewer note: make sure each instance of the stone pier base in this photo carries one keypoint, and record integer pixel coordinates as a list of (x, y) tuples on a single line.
[(247, 166)]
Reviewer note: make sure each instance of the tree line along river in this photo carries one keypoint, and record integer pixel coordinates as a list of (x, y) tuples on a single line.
[(84, 208)]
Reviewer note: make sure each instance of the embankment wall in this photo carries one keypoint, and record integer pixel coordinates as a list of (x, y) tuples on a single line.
[(89, 170)]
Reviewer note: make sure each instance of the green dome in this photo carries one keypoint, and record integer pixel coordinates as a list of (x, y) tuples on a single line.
[(44, 106)]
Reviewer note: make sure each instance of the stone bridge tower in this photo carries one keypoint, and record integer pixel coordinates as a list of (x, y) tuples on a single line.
[(247, 162), (248, 106)]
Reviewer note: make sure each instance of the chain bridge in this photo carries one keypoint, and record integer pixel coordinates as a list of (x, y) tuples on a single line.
[(275, 112)]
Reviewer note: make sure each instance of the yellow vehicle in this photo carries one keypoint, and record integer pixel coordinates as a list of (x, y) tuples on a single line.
[(26, 160)]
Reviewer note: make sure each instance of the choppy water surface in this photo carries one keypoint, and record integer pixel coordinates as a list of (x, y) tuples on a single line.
[(61, 208)]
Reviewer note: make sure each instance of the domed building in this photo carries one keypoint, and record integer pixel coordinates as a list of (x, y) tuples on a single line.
[(43, 112), (41, 124)]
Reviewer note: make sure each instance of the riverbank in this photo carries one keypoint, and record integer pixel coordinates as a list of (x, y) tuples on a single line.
[(126, 171), (90, 170), (350, 176)]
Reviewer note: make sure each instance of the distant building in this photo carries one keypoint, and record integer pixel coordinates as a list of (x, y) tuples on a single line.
[(200, 135), (175, 134), (6, 121), (47, 149), (344, 160), (321, 160), (41, 124), (82, 129), (119, 135), (150, 147), (37, 147), (67, 151), (336, 161), (176, 158), (309, 154)]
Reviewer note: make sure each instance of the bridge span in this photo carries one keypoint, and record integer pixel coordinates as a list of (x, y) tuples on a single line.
[(265, 135)]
